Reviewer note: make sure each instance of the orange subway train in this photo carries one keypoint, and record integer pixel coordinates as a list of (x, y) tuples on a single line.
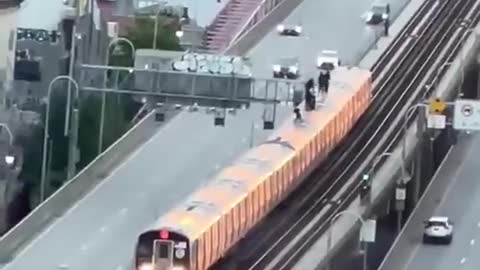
[(199, 231)]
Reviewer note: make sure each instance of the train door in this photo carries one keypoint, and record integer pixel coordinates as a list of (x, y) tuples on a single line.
[(162, 254)]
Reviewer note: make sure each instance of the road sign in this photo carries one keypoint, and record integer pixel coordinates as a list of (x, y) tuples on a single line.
[(436, 121), (466, 115), (401, 194), (367, 233), (437, 105)]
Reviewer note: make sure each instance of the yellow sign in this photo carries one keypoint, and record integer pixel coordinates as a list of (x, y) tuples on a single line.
[(437, 105)]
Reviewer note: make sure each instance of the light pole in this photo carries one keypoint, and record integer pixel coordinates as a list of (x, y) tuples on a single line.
[(104, 94), (10, 161), (376, 160), (155, 29), (9, 132), (330, 232), (46, 127)]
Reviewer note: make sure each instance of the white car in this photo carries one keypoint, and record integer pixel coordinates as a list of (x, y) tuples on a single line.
[(379, 13), (328, 60), (438, 229), (289, 30), (287, 68)]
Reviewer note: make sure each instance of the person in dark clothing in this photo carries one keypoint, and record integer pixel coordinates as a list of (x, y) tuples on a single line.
[(386, 26), (324, 80), (310, 100)]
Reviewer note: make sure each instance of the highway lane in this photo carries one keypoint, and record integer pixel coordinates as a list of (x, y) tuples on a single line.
[(100, 231), (334, 25), (460, 202)]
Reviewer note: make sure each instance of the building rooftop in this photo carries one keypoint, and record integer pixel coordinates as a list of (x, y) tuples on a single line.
[(9, 3)]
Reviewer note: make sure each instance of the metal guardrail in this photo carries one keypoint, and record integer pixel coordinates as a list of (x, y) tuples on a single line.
[(75, 189)]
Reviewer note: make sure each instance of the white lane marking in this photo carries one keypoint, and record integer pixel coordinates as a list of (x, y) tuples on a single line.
[(123, 211), (89, 194), (62, 266), (217, 166), (463, 260), (103, 229), (472, 242)]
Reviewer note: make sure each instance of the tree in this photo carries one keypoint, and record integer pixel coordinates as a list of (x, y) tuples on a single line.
[(142, 33)]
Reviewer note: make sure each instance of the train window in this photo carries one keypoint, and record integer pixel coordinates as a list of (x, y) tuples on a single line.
[(163, 251), (280, 182), (215, 242), (262, 197), (274, 185), (260, 200), (268, 190), (221, 233), (235, 222), (229, 228), (200, 251), (208, 246), (243, 214), (298, 165)]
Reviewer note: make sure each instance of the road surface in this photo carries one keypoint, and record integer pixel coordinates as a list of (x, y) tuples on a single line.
[(460, 202), (100, 232)]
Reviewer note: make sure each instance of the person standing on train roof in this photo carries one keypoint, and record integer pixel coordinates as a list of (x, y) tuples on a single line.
[(324, 80), (309, 95)]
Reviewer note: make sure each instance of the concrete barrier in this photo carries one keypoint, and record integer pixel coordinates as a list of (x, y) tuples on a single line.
[(262, 27), (75, 189)]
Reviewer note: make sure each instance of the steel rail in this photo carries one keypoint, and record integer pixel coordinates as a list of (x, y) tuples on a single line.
[(352, 194), (399, 39)]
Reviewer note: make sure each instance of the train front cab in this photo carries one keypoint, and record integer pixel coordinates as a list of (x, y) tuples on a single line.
[(162, 250)]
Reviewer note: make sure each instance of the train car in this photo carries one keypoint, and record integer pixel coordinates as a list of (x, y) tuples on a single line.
[(219, 214)]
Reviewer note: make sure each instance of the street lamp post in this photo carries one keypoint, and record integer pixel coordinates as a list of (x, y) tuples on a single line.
[(9, 132), (155, 29), (330, 232), (104, 95), (46, 127), (10, 161)]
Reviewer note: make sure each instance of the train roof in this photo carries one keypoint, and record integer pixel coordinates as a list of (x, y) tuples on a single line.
[(206, 205)]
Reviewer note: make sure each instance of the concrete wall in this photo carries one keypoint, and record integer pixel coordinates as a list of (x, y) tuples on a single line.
[(62, 200)]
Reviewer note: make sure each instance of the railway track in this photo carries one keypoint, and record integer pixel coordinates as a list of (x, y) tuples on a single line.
[(394, 91)]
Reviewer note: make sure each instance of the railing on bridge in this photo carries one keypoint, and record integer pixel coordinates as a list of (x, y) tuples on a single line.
[(234, 20)]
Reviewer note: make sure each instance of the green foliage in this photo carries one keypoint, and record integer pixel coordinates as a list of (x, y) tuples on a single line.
[(143, 32), (57, 125), (32, 143), (88, 128)]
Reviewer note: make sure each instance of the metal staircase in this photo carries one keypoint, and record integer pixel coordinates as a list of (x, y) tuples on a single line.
[(227, 23)]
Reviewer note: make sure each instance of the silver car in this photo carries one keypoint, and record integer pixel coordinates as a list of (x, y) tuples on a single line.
[(438, 229), (286, 68)]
